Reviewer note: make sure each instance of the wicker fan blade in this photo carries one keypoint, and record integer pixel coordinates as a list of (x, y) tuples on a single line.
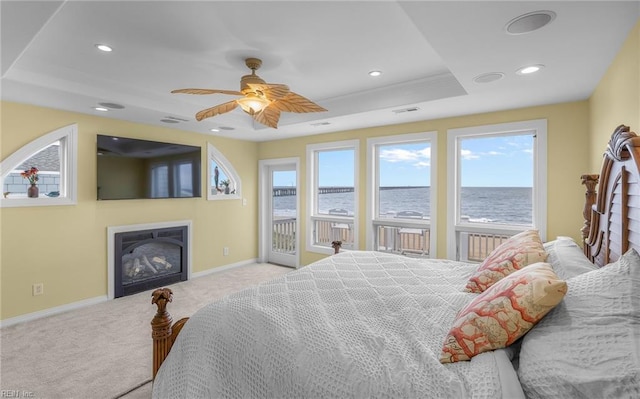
[(217, 110), (293, 102), (207, 91), (269, 116), (272, 91)]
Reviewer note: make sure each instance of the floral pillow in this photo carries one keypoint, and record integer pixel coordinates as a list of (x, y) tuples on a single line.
[(522, 249), (503, 313)]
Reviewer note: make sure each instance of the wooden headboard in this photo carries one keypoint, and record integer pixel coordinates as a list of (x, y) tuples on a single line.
[(612, 213)]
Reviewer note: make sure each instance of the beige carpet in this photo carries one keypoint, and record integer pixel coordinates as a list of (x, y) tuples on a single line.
[(104, 350)]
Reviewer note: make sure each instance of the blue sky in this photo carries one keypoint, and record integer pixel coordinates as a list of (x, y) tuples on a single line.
[(486, 162)]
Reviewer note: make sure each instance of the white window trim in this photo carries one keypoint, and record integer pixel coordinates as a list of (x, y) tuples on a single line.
[(312, 184), (68, 165), (222, 161), (539, 216), (432, 137)]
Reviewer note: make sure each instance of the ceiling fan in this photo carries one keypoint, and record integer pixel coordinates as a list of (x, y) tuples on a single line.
[(263, 101)]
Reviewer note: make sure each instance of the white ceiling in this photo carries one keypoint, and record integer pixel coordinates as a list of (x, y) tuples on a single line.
[(429, 53)]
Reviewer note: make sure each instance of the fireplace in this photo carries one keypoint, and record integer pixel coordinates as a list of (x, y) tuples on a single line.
[(148, 256)]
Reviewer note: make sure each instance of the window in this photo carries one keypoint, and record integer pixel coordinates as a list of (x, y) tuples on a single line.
[(497, 185), (224, 182), (401, 204), (332, 196), (54, 155)]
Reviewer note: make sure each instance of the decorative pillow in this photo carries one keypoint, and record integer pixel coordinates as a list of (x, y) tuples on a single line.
[(567, 258), (522, 249), (503, 313), (589, 345)]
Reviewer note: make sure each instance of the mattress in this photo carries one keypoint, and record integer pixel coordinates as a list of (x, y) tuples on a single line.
[(357, 324)]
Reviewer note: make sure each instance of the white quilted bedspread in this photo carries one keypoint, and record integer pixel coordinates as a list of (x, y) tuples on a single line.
[(354, 325)]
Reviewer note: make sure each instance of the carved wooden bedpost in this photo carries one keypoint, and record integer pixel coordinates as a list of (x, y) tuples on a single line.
[(163, 333), (590, 198), (336, 245), (161, 327)]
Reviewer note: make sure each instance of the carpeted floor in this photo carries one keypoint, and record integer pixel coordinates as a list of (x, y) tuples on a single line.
[(104, 350)]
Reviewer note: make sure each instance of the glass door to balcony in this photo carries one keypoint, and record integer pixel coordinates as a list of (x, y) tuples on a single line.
[(283, 215)]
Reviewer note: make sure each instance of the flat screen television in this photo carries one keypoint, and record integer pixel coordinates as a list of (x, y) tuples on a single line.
[(141, 169)]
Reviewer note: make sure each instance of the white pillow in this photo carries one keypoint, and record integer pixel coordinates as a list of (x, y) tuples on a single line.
[(567, 258), (589, 345)]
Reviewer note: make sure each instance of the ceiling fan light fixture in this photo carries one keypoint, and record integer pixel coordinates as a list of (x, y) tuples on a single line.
[(252, 103)]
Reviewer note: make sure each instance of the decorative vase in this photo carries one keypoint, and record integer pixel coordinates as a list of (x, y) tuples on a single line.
[(226, 190), (32, 191)]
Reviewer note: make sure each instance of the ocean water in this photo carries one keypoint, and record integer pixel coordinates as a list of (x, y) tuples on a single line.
[(502, 205)]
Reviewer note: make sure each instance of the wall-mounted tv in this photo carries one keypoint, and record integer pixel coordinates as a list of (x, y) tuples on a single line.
[(139, 169)]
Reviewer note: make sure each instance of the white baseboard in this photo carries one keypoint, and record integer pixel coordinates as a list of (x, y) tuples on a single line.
[(52, 311), (223, 268), (92, 301)]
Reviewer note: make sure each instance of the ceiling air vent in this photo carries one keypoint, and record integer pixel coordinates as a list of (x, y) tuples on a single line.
[(320, 124), (403, 110), (175, 118)]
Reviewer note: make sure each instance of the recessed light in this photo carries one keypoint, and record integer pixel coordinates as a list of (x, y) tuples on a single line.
[(529, 69), (375, 73), (488, 77), (529, 22), (214, 129), (104, 47), (101, 109)]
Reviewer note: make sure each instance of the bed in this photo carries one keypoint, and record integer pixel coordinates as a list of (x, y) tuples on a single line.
[(534, 320)]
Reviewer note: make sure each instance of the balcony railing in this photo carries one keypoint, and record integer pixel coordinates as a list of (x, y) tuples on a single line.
[(334, 229), (284, 235), (405, 240), (475, 247)]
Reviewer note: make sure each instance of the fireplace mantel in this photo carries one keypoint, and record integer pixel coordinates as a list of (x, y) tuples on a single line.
[(113, 230)]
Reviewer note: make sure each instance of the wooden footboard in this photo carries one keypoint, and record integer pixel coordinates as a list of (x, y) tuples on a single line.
[(162, 331)]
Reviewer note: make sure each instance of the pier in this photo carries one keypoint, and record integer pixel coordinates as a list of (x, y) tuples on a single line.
[(285, 191)]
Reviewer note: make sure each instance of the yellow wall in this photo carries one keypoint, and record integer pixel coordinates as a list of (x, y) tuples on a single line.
[(64, 247), (567, 126), (616, 99)]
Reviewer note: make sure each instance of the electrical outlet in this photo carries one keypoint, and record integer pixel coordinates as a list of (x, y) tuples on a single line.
[(38, 289), (225, 251)]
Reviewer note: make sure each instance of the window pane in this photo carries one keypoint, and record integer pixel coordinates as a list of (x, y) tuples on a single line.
[(284, 194), (47, 161), (221, 183), (336, 176), (404, 172), (496, 175)]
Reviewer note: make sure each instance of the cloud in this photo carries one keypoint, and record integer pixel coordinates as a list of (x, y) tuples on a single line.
[(467, 154), (419, 157)]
